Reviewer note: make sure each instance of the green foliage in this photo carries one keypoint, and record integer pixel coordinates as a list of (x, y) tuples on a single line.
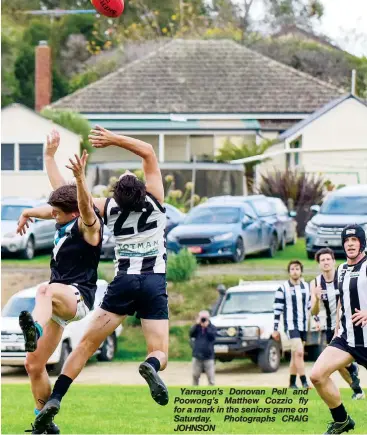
[(178, 198), (91, 75), (230, 151), (181, 266), (72, 121)]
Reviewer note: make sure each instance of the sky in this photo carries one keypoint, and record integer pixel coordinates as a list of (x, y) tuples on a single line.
[(342, 21)]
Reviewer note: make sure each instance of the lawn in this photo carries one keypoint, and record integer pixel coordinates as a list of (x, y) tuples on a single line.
[(116, 409)]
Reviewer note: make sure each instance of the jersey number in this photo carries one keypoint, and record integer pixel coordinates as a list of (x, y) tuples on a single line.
[(142, 222)]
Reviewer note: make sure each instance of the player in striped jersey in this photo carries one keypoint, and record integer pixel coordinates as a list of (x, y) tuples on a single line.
[(350, 341), (293, 300), (137, 218), (324, 288)]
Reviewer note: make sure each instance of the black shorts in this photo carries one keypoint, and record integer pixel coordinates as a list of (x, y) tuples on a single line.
[(294, 333), (144, 295), (359, 353)]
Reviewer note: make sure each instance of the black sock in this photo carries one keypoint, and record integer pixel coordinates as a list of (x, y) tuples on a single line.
[(352, 369), (339, 414), (303, 379), (292, 379), (61, 387), (154, 362), (357, 390)]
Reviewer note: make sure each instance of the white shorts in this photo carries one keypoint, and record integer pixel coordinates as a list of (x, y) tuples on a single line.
[(81, 310)]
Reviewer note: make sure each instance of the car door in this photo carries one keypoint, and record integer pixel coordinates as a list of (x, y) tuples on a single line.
[(267, 220), (286, 220), (251, 229)]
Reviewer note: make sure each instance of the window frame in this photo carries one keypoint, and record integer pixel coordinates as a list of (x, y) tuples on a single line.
[(17, 169), (14, 160)]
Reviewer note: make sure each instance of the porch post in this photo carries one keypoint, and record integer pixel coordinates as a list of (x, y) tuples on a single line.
[(161, 147), (188, 148)]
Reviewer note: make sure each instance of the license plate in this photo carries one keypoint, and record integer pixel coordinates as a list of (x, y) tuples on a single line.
[(195, 249), (14, 347), (220, 348), (330, 242)]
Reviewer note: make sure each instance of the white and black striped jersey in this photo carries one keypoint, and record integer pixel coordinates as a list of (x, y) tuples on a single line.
[(294, 302), (139, 237), (352, 282), (330, 298)]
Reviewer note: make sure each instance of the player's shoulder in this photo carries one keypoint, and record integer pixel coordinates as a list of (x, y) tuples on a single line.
[(150, 198)]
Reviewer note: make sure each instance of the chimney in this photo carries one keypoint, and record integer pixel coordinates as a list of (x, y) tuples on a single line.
[(43, 76)]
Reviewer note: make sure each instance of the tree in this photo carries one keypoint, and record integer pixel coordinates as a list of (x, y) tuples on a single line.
[(230, 151), (73, 121)]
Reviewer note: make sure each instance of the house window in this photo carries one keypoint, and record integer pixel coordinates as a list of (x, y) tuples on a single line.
[(30, 157), (7, 157)]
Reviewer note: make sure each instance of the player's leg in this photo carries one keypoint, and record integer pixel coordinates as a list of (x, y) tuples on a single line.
[(102, 324), (35, 363), (350, 375), (51, 299), (293, 366), (331, 360), (197, 369), (156, 337)]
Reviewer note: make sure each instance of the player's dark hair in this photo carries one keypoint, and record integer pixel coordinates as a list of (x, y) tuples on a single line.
[(129, 192), (295, 262), (65, 198), (324, 251)]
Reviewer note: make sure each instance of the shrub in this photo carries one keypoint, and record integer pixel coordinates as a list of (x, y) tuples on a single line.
[(297, 188), (181, 266)]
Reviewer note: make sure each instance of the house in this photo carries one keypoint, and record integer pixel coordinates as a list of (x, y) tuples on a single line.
[(188, 96), (23, 138), (331, 141)]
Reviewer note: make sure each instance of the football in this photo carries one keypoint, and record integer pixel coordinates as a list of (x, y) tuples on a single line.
[(109, 8)]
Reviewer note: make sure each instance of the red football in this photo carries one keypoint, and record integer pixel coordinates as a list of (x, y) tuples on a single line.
[(109, 8)]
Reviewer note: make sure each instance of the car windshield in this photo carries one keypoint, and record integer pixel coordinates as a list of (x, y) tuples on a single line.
[(248, 302), (345, 205), (12, 212), (16, 305), (213, 215)]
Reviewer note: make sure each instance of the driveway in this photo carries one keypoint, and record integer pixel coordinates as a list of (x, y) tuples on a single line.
[(179, 373)]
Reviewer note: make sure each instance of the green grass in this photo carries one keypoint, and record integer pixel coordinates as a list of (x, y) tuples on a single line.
[(112, 409)]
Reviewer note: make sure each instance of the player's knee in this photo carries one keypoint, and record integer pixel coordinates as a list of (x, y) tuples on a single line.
[(317, 376), (299, 353), (33, 367), (43, 290)]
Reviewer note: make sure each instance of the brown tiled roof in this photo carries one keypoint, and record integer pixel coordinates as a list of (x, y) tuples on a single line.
[(202, 76)]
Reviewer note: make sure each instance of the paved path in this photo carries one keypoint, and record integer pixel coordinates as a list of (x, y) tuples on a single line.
[(178, 373)]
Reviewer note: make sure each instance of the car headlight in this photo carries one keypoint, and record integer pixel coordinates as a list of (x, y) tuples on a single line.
[(220, 237), (250, 331), (311, 227)]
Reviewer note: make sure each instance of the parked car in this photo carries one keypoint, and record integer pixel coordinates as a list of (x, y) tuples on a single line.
[(223, 230), (244, 322), (342, 207), (40, 234), (174, 218), (286, 225), (12, 341)]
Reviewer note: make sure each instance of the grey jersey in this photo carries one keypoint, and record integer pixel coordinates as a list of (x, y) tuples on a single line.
[(139, 237)]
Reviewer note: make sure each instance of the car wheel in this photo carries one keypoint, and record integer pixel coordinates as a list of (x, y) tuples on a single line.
[(282, 243), (269, 358), (55, 369), (271, 251), (28, 251), (239, 254), (310, 255), (109, 349)]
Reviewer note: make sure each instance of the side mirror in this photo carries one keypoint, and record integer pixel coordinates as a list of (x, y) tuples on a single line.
[(221, 289), (292, 214), (247, 220), (315, 209)]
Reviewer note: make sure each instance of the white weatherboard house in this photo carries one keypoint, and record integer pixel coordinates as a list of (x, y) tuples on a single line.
[(331, 141), (23, 138)]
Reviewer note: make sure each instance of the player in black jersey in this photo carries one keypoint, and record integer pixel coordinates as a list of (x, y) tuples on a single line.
[(325, 292), (70, 293), (350, 341), (137, 218)]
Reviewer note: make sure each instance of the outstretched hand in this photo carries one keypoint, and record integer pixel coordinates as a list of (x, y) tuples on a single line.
[(78, 166), (53, 142), (23, 224), (99, 137)]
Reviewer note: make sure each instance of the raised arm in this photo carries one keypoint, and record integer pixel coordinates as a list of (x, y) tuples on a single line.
[(315, 299), (44, 212), (89, 223), (101, 138), (53, 172)]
